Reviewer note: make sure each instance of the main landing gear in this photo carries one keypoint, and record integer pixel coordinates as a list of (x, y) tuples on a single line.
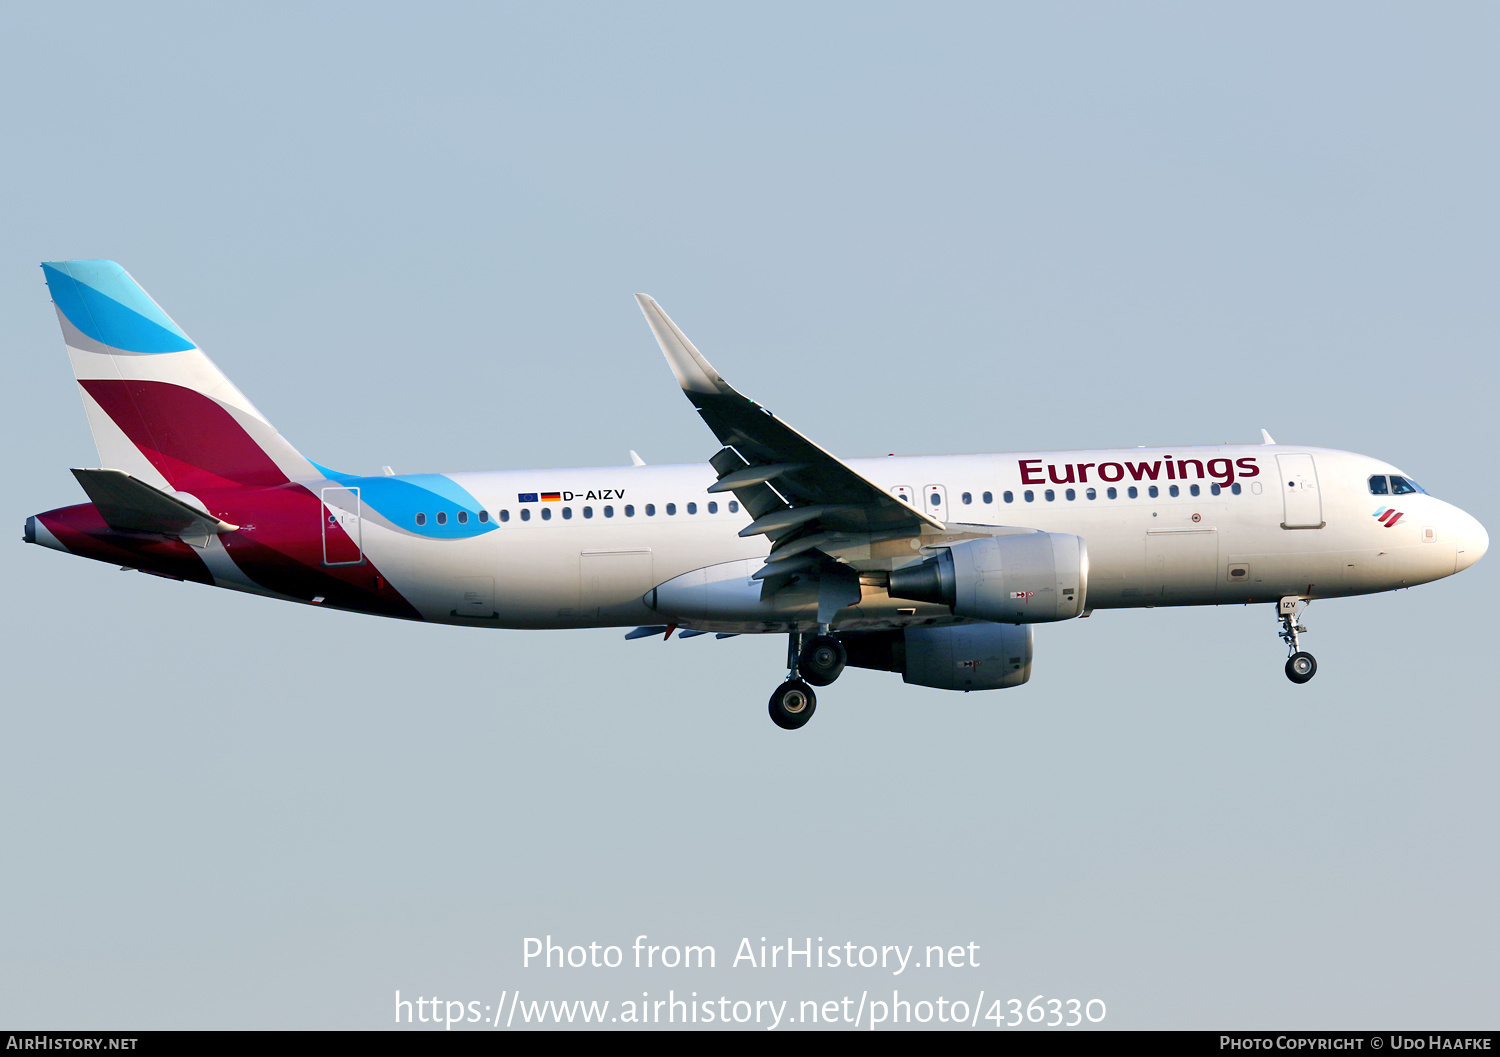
[(817, 660), (1300, 667)]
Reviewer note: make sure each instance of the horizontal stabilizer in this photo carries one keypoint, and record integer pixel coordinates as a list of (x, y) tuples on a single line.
[(130, 505)]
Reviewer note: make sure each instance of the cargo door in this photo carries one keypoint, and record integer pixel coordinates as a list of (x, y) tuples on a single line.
[(474, 596), (1182, 564), (613, 578)]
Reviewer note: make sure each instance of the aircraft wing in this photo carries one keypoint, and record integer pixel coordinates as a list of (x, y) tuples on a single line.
[(798, 494)]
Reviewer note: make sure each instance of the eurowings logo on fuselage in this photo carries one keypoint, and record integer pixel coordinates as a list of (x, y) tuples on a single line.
[(1220, 471), (1387, 515)]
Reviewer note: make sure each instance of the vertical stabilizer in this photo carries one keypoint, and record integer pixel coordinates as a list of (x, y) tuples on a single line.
[(158, 407)]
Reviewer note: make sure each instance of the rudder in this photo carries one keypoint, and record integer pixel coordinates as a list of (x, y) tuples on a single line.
[(158, 407)]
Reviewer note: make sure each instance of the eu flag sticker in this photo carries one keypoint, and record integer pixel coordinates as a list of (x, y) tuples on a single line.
[(526, 497)]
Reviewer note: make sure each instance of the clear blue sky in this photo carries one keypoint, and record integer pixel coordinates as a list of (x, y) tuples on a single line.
[(411, 236)]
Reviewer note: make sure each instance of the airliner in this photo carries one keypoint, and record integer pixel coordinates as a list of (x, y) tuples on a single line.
[(936, 567)]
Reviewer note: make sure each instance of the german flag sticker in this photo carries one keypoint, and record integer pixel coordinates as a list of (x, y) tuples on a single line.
[(552, 497)]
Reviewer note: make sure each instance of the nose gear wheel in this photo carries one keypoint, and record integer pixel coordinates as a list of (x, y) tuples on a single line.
[(1300, 666)]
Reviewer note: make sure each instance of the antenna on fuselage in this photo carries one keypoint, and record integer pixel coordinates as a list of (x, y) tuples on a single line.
[(1266, 438)]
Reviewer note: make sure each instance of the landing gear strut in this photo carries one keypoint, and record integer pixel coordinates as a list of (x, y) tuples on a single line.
[(817, 660), (1300, 667)]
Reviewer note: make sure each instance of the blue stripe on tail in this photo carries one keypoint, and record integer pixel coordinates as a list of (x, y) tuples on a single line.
[(102, 300)]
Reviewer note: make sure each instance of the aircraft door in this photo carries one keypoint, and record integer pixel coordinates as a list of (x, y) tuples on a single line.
[(1182, 564), (341, 534), (1303, 506), (935, 500), (474, 596), (613, 578)]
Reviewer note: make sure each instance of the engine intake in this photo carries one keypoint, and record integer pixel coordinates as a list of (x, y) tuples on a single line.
[(1025, 579)]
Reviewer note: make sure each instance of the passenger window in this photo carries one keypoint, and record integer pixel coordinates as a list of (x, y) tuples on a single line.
[(421, 520), (1133, 492), (1192, 489), (463, 517), (442, 517), (484, 516), (1401, 486), (1113, 493), (1010, 497), (1071, 494), (734, 508), (1215, 489), (713, 508), (546, 513), (588, 511), (1051, 495), (937, 500), (1153, 491), (650, 509), (1091, 493), (671, 508), (567, 513), (1029, 495), (609, 511), (968, 497), (692, 508), (629, 510), (525, 513), (989, 497), (1174, 491), (1378, 485), (1235, 488), (505, 515)]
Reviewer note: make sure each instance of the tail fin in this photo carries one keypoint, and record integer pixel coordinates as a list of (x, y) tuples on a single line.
[(158, 407)]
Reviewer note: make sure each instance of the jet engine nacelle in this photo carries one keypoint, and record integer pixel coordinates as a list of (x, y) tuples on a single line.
[(954, 657), (1025, 579)]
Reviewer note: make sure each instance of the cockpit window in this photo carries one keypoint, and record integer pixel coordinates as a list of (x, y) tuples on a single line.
[(1401, 486), (1377, 485)]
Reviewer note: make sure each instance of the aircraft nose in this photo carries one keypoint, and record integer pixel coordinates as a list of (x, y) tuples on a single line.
[(1473, 541)]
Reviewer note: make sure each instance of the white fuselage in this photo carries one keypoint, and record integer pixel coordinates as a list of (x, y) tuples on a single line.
[(1282, 521)]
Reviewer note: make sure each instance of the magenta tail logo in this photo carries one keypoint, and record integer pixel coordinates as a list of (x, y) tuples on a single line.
[(1388, 516)]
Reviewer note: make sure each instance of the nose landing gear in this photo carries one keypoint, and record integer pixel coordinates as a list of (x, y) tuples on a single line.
[(1300, 666)]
